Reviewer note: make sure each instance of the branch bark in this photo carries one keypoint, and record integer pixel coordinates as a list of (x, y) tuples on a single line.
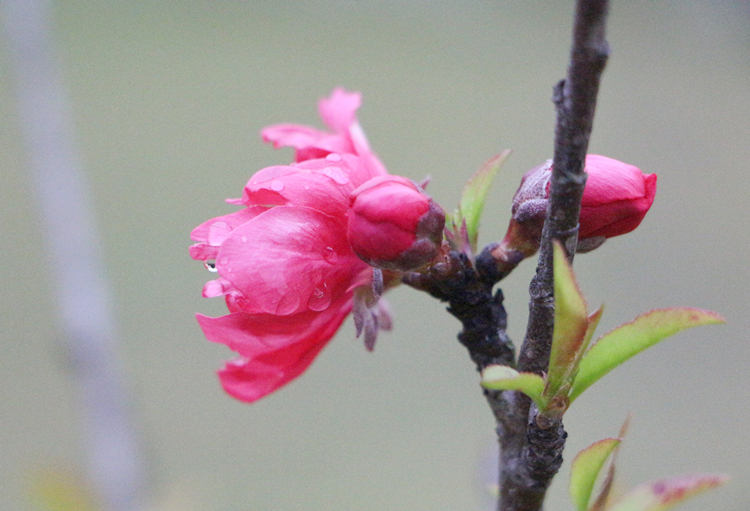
[(531, 450)]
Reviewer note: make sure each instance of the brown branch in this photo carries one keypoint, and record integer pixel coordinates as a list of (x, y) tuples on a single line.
[(531, 450), (575, 99)]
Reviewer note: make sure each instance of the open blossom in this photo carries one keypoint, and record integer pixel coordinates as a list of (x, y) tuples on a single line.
[(285, 266), (615, 200), (394, 225)]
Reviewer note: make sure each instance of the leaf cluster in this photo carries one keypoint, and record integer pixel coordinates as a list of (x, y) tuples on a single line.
[(576, 363)]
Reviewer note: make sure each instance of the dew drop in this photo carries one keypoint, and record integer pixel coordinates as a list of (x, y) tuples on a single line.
[(244, 239), (335, 173), (224, 260), (277, 186), (285, 304), (329, 254), (333, 157), (320, 298), (307, 187), (210, 266)]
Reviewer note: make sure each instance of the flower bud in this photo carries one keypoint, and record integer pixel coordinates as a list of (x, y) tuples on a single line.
[(394, 225), (616, 198)]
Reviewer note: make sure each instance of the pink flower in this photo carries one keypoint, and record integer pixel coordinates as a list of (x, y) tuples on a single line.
[(285, 266), (394, 225), (615, 200), (346, 136)]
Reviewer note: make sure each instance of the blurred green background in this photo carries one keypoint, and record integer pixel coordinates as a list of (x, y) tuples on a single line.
[(168, 98)]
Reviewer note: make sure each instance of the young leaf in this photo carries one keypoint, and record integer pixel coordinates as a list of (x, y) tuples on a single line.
[(665, 493), (497, 377), (571, 324), (475, 192), (600, 503), (585, 469), (625, 341)]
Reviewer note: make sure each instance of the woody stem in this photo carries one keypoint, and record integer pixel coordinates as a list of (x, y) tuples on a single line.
[(531, 454)]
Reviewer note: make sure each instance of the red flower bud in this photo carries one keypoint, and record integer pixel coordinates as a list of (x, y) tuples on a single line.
[(616, 198), (393, 224)]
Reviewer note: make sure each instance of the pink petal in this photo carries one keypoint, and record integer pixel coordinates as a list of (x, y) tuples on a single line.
[(358, 171), (291, 135), (319, 184), (250, 380), (214, 288), (213, 232), (288, 260), (309, 142), (611, 180), (618, 217), (203, 252), (202, 233), (252, 335), (275, 349), (339, 111), (374, 166)]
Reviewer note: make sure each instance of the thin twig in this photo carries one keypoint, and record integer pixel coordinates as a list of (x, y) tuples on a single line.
[(531, 452)]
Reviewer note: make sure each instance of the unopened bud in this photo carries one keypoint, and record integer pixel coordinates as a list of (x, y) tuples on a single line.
[(615, 200), (394, 225)]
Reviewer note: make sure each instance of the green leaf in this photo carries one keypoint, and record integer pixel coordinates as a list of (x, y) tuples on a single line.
[(629, 339), (497, 377), (475, 192), (665, 493), (605, 489), (571, 325), (594, 318), (585, 469)]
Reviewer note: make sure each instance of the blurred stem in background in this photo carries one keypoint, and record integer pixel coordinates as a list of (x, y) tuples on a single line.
[(114, 464)]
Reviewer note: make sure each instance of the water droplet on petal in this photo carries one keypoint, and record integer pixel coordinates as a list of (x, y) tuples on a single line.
[(335, 173), (210, 266), (307, 187), (286, 304), (329, 254), (333, 157), (320, 298), (244, 239), (224, 260), (276, 186)]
